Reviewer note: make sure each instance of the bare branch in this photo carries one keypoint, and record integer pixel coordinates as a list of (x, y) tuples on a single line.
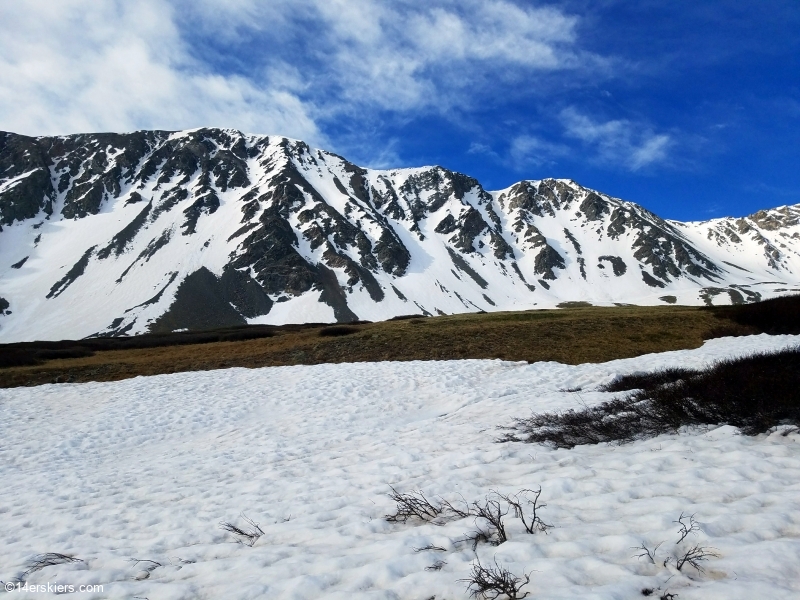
[(413, 505), (462, 514), (247, 535), (695, 555), (151, 564), (492, 513), (645, 551), (479, 536), (437, 566), (48, 559), (430, 547), (536, 524), (489, 583), (687, 525)]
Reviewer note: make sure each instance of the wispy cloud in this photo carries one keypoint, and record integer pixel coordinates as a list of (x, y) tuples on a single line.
[(303, 68), (621, 142), (80, 65), (483, 149), (88, 65), (410, 56), (529, 150)]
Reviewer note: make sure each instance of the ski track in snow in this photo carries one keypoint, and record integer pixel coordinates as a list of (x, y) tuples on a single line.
[(147, 468)]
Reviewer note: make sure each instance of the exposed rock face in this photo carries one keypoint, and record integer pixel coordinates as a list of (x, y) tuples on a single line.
[(202, 301), (123, 233), (617, 264), (76, 271), (27, 186)]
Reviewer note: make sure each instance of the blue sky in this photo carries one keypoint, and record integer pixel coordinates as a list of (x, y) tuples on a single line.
[(691, 109)]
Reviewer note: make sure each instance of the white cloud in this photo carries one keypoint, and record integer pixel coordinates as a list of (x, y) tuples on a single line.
[(294, 67), (398, 56), (527, 150), (479, 148), (89, 65), (619, 142), (652, 150), (494, 31)]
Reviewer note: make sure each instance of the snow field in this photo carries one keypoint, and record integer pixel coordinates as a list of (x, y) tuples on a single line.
[(147, 469)]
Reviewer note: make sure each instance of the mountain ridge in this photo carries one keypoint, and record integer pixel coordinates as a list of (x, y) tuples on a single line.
[(117, 234)]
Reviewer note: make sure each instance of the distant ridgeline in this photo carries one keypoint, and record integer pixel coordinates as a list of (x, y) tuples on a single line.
[(155, 231)]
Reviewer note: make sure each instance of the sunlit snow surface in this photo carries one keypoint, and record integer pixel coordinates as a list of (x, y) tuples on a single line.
[(147, 469)]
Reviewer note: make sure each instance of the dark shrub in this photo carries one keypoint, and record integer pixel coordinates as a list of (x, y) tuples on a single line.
[(574, 304), (754, 393), (34, 353), (404, 317), (245, 334), (70, 352), (337, 330), (775, 316), (17, 358), (641, 381)]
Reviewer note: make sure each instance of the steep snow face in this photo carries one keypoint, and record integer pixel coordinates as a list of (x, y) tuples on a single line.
[(114, 234), (133, 478)]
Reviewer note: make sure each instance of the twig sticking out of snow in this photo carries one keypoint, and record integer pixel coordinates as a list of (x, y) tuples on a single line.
[(493, 514), (413, 505), (687, 527), (488, 583), (536, 524), (437, 566), (694, 556), (430, 547), (151, 564), (455, 511), (48, 559), (246, 536), (643, 551)]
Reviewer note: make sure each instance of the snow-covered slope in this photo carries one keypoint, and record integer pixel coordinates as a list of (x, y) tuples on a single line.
[(110, 234), (133, 479)]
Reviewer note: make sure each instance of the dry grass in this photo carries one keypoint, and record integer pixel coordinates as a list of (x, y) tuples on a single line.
[(570, 335)]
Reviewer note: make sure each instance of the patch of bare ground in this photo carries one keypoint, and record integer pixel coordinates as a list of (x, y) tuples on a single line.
[(571, 335)]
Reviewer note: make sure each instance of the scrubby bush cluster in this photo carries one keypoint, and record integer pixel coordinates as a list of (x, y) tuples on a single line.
[(484, 582), (682, 554), (774, 316), (34, 353), (489, 583), (755, 394), (488, 514), (338, 330)]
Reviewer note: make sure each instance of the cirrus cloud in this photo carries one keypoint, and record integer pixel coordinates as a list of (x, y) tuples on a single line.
[(620, 141)]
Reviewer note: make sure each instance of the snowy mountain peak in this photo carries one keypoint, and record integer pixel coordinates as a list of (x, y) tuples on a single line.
[(110, 234)]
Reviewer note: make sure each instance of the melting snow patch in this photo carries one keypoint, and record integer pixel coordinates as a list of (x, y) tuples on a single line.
[(275, 483)]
